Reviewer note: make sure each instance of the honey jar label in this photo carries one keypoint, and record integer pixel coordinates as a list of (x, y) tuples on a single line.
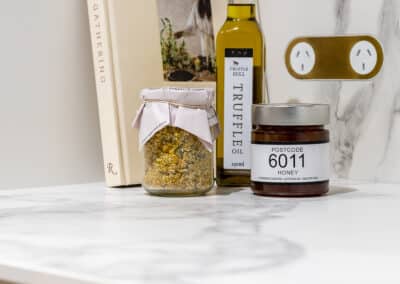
[(238, 97), (290, 163)]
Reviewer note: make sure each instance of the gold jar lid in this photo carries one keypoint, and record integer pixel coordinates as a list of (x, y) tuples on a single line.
[(291, 114)]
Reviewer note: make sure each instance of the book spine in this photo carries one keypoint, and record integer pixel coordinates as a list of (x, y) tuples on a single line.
[(106, 95)]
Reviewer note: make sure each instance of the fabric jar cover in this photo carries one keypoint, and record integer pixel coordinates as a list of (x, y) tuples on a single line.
[(190, 109)]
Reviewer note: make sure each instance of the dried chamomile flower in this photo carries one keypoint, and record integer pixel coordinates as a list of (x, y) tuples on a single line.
[(177, 160)]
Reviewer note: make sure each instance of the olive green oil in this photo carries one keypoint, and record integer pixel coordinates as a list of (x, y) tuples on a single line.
[(240, 83)]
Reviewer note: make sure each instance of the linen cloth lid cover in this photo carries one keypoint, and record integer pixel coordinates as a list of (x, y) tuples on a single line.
[(189, 109)]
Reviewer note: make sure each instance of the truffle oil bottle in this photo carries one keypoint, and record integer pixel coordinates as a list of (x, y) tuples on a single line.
[(240, 83)]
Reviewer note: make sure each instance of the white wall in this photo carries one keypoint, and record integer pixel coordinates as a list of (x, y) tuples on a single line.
[(48, 114)]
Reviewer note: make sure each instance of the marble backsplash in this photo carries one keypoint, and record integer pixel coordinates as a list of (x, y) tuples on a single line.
[(365, 126)]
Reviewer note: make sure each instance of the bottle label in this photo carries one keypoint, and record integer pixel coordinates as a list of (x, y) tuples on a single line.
[(238, 99), (290, 163)]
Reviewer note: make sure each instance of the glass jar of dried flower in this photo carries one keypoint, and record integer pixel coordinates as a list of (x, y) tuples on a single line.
[(177, 129)]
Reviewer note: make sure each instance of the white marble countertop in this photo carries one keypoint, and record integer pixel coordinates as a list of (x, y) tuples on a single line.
[(90, 234)]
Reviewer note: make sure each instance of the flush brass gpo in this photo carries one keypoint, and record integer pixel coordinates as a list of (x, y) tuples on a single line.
[(339, 57)]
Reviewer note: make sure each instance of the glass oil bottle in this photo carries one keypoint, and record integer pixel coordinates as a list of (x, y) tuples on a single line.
[(240, 83)]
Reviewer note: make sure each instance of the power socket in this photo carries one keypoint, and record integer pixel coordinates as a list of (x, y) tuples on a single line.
[(302, 58), (363, 57), (335, 58)]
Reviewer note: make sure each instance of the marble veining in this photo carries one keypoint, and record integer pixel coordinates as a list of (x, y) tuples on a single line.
[(127, 236), (120, 234), (365, 124)]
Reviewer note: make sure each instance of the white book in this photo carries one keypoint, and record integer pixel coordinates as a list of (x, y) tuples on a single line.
[(127, 58)]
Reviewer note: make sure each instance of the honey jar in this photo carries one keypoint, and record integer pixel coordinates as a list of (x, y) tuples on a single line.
[(290, 150)]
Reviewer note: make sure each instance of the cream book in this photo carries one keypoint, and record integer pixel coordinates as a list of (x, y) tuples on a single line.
[(146, 44)]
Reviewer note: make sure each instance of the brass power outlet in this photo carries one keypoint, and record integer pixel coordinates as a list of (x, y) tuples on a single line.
[(334, 58)]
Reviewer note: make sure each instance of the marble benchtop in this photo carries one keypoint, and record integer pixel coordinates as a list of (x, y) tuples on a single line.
[(91, 234)]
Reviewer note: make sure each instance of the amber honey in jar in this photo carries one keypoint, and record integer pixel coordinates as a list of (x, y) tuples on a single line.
[(290, 150)]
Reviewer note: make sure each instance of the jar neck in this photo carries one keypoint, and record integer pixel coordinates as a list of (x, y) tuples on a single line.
[(241, 10)]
